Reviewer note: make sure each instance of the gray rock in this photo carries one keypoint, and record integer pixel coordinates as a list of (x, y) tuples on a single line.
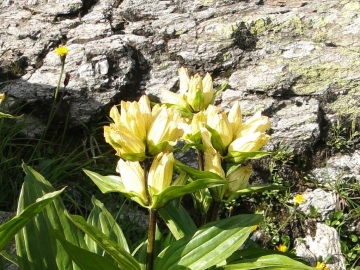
[(324, 202), (326, 242)]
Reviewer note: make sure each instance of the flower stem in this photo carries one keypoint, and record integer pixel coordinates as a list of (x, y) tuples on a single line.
[(200, 155), (286, 221), (215, 210), (51, 115), (151, 240)]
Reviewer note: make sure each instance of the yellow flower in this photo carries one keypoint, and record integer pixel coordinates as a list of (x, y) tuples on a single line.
[(139, 132), (299, 199), (132, 176), (161, 171), (228, 134), (249, 143), (164, 130), (62, 51), (322, 266), (195, 93), (2, 97), (281, 248)]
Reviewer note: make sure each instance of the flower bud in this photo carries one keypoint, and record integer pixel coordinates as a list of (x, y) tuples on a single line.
[(161, 171), (132, 176), (239, 178)]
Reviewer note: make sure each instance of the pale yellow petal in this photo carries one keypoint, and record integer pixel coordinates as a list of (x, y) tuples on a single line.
[(173, 98), (161, 171), (235, 117), (184, 80), (213, 162), (208, 91), (132, 176), (250, 142)]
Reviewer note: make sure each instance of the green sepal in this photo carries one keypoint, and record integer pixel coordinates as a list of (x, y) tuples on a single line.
[(209, 246), (172, 192), (113, 183), (83, 258), (10, 228), (196, 173), (184, 111), (241, 157), (115, 250), (198, 146), (216, 140), (156, 149)]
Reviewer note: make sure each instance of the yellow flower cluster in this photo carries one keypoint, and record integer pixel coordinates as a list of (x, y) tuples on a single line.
[(195, 95), (139, 132)]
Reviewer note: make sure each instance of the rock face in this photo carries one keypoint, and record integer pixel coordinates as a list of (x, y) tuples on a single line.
[(297, 61)]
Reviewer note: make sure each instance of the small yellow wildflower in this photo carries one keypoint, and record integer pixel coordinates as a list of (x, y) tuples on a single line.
[(254, 228), (299, 199), (281, 248), (321, 265), (62, 51)]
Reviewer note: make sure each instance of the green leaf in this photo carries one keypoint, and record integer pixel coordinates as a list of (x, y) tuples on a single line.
[(196, 173), (9, 256), (209, 246), (241, 157), (116, 251), (101, 218), (172, 192), (178, 220), (259, 188), (216, 140), (273, 262), (85, 259), (113, 183), (13, 226), (35, 249), (5, 115)]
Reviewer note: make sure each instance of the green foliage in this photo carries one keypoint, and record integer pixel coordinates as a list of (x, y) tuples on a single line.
[(341, 138)]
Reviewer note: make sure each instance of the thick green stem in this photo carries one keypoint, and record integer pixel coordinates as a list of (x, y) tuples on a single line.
[(200, 155), (215, 210), (151, 240)]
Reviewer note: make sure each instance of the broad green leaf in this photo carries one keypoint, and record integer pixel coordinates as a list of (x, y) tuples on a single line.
[(13, 226), (101, 218), (172, 192), (259, 188), (254, 253), (209, 246), (178, 220), (116, 251), (112, 183), (83, 258), (35, 249), (273, 262), (241, 157)]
